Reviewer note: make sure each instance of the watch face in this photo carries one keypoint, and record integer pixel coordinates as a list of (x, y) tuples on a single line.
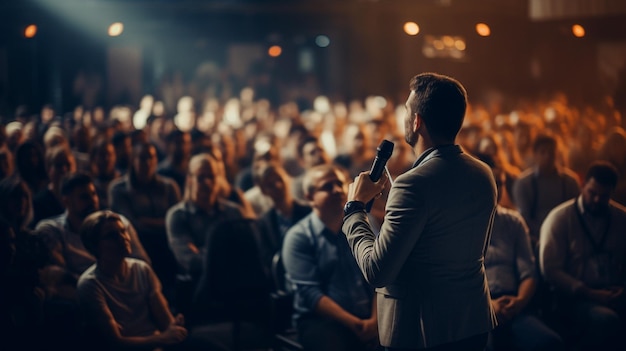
[(353, 206)]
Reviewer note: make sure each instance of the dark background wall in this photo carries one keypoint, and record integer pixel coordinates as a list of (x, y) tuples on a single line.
[(530, 52)]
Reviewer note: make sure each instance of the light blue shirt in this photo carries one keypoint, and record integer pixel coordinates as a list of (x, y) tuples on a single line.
[(319, 262), (509, 259)]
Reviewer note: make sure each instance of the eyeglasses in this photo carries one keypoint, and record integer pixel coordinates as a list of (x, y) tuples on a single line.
[(330, 186)]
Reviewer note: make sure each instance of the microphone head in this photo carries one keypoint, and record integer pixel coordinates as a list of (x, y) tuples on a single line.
[(385, 149)]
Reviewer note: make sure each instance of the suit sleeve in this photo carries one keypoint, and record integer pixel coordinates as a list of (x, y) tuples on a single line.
[(380, 259)]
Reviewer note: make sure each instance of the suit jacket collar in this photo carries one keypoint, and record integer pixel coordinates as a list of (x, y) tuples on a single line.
[(437, 151)]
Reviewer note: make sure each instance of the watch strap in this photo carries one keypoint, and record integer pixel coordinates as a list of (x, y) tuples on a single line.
[(353, 207)]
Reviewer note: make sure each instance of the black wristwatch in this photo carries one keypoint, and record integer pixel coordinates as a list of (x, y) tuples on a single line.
[(352, 207)]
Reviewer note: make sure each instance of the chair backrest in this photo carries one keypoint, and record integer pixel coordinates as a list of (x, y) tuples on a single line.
[(278, 274), (282, 297), (233, 280)]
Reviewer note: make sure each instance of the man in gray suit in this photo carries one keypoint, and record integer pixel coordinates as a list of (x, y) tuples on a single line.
[(427, 263)]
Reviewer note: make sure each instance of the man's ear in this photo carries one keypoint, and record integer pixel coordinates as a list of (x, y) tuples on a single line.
[(417, 122)]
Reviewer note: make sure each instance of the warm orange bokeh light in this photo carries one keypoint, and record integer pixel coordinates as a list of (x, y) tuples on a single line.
[(411, 28), (275, 51), (483, 30), (459, 44), (578, 31), (116, 29), (30, 31)]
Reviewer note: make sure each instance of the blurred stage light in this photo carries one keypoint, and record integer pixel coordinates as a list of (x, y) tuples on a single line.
[(444, 46), (483, 30), (30, 31), (448, 41), (578, 31), (275, 51), (116, 29), (321, 104), (411, 28), (322, 41), (459, 44)]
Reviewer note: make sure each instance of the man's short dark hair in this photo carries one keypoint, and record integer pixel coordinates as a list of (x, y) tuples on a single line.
[(441, 102), (604, 172), (262, 168), (174, 136), (90, 229), (544, 140), (73, 181), (119, 137), (306, 139)]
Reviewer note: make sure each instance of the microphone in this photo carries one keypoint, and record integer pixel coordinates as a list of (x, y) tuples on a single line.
[(384, 151)]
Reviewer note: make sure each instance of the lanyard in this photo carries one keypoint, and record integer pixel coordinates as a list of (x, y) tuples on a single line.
[(597, 247)]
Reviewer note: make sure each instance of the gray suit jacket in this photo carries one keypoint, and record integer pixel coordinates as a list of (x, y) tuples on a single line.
[(427, 261)]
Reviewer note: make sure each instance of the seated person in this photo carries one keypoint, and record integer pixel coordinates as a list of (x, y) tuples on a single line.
[(120, 297), (543, 186), (190, 221), (178, 151), (310, 154), (275, 183), (334, 307), (582, 254), (144, 197), (60, 233), (512, 277), (47, 202)]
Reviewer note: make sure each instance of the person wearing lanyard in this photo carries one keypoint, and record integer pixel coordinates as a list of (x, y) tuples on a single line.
[(582, 254)]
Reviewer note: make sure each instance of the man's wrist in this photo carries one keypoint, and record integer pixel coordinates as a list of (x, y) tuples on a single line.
[(352, 207)]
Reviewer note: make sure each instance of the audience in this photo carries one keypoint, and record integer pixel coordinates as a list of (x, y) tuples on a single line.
[(60, 233), (144, 197), (274, 182), (102, 159), (191, 221), (120, 297), (582, 254), (543, 186), (512, 278), (226, 190), (334, 308), (178, 152), (143, 190), (47, 202), (357, 154), (613, 150), (30, 166), (310, 154), (123, 150)]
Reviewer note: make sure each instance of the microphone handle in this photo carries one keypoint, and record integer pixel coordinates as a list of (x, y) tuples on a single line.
[(375, 173)]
